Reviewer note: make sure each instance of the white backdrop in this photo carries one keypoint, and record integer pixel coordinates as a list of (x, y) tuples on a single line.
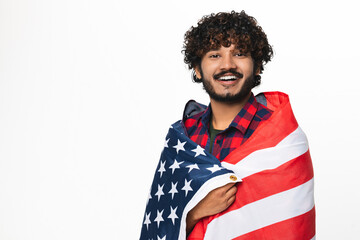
[(89, 88)]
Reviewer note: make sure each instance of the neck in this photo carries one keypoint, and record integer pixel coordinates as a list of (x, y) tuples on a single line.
[(223, 113)]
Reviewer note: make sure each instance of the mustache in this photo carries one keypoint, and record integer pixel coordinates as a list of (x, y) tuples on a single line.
[(236, 74)]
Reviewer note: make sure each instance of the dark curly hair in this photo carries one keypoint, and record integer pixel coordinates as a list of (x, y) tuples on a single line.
[(224, 29)]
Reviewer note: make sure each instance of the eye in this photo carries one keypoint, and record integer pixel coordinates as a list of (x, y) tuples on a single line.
[(214, 56), (239, 54)]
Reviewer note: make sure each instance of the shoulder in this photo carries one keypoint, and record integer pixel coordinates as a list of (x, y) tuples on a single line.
[(193, 113), (263, 112)]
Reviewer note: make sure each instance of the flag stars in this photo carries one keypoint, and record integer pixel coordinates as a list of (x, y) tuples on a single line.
[(162, 168), (214, 168), (173, 189), (166, 143), (170, 162), (175, 165), (163, 238), (187, 187), (147, 220), (159, 192), (149, 197), (198, 151), (179, 146), (173, 215), (159, 217), (192, 166)]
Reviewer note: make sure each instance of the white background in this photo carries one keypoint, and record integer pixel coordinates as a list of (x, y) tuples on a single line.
[(89, 88)]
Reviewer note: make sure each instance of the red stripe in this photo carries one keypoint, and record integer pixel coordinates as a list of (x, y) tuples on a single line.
[(264, 184), (301, 227)]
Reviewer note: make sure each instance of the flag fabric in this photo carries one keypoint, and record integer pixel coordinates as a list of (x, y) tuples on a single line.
[(185, 174), (274, 198)]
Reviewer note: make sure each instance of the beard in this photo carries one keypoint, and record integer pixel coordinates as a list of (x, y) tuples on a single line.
[(249, 83)]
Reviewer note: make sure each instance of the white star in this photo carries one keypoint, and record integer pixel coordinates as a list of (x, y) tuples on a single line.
[(199, 151), (179, 146), (173, 189), (193, 166), (175, 166), (173, 214), (166, 143), (163, 238), (147, 220), (159, 217), (214, 168), (187, 187), (162, 168), (149, 197), (159, 192)]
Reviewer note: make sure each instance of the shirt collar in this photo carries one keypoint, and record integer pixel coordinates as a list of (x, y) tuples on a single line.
[(241, 121)]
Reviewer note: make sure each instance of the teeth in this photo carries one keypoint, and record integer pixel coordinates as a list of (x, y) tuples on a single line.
[(228, 78)]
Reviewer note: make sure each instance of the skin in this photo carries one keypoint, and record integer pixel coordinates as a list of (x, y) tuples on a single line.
[(214, 62), (221, 60)]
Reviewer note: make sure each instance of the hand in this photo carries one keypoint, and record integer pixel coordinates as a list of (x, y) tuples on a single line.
[(215, 202)]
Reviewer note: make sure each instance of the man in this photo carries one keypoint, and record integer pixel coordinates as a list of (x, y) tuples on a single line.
[(256, 138), (228, 63)]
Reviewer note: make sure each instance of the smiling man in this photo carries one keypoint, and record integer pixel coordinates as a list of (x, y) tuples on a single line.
[(240, 167), (227, 52)]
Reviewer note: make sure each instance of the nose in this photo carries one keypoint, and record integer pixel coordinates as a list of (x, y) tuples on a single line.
[(227, 63)]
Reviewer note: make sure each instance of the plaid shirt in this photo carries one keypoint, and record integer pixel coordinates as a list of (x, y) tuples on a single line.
[(240, 129)]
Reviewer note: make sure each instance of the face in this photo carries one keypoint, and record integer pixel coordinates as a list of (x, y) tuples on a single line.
[(227, 74)]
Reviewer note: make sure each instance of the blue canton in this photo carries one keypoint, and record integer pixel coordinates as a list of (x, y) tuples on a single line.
[(183, 169)]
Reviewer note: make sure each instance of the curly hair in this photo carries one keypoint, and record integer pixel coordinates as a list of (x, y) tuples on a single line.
[(224, 29)]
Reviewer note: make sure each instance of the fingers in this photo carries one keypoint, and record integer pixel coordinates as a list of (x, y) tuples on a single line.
[(227, 191), (231, 195), (216, 201), (228, 186), (232, 188), (231, 200)]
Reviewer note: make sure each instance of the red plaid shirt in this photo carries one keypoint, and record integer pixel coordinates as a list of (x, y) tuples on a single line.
[(240, 129)]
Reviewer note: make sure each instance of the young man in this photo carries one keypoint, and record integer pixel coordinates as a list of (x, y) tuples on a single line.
[(238, 136), (227, 53)]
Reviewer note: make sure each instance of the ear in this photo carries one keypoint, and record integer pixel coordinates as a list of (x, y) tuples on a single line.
[(257, 71), (197, 71)]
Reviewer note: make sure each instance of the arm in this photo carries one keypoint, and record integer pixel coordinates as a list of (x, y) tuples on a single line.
[(215, 202)]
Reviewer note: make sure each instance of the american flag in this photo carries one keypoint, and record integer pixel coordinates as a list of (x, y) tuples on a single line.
[(178, 185), (274, 200)]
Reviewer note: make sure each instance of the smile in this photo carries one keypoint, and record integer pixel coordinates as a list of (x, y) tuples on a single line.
[(228, 78)]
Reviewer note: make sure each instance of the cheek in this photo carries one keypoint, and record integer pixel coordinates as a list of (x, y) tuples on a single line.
[(248, 69), (206, 74), (209, 68), (246, 66)]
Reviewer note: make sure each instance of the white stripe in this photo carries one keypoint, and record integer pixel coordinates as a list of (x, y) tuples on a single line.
[(292, 146), (262, 213)]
